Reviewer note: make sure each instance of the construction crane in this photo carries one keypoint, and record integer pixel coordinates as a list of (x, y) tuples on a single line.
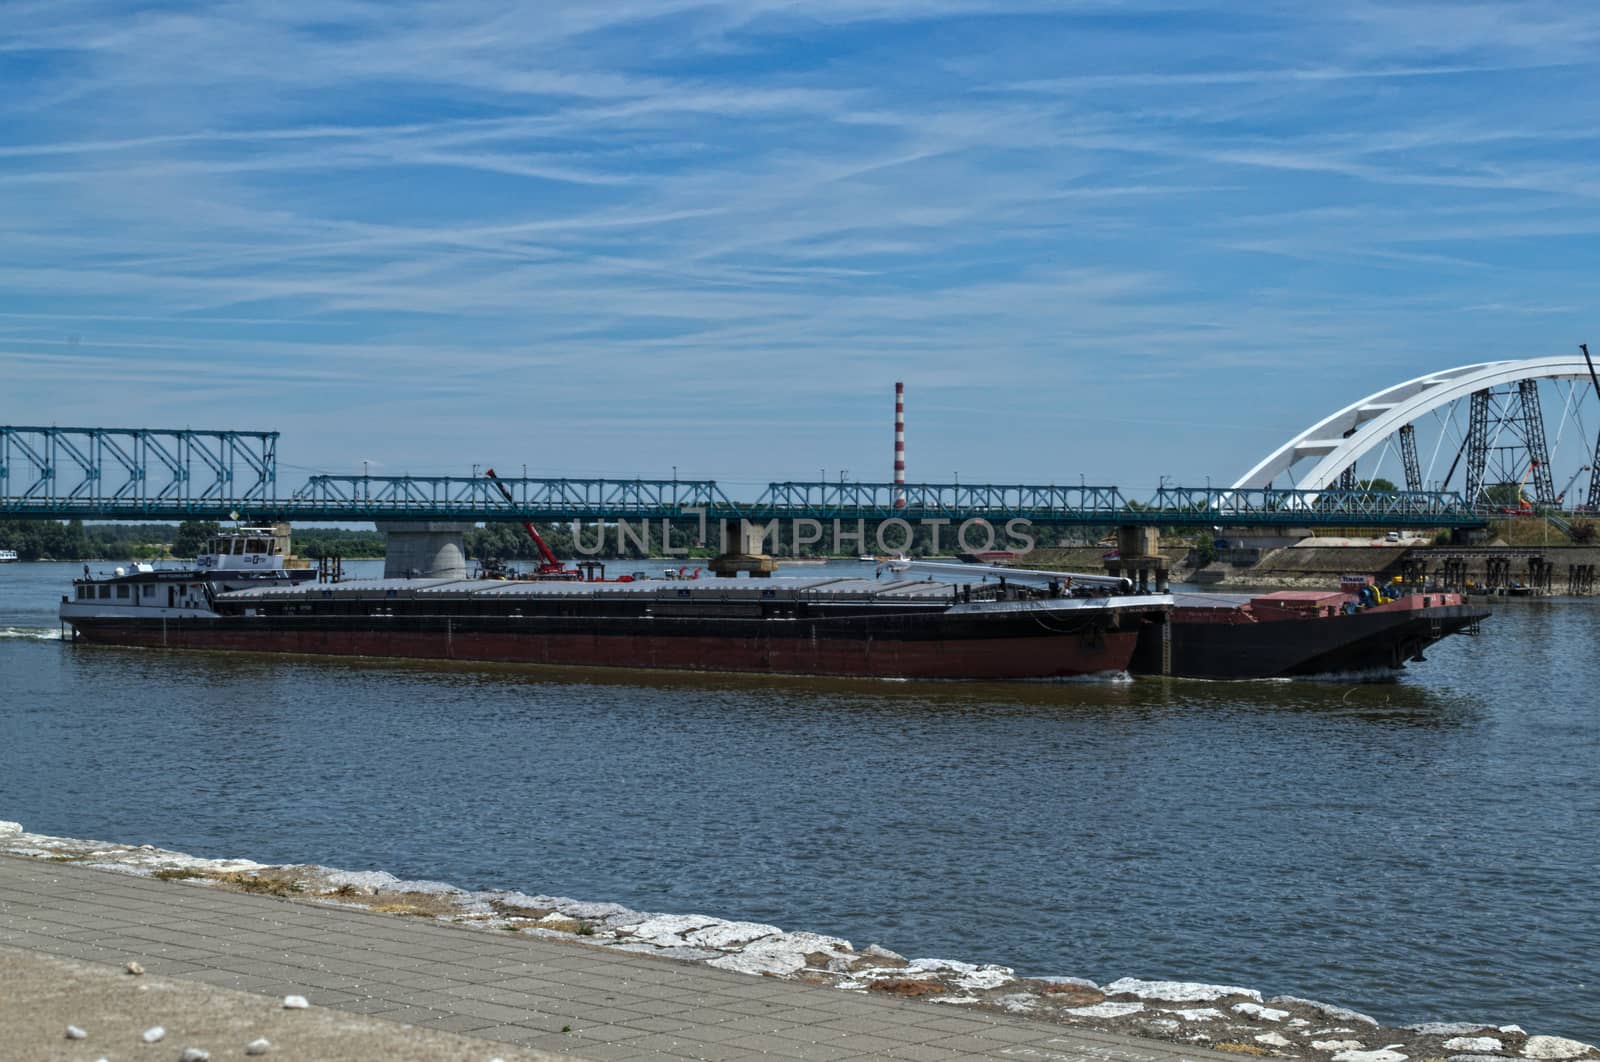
[(550, 566), (1581, 470)]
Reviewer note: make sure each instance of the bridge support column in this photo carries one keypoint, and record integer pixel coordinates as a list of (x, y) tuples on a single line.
[(1139, 558), (742, 547), (424, 549)]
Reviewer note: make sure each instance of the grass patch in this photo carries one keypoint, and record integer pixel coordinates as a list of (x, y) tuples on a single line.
[(179, 874), (1242, 1049), (418, 904), (261, 884)]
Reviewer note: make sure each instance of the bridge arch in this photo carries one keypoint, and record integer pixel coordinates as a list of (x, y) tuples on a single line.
[(1334, 444)]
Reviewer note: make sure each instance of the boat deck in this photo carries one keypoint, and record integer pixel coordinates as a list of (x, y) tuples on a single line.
[(716, 588)]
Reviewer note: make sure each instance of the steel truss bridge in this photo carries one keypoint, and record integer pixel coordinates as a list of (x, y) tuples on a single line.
[(158, 474)]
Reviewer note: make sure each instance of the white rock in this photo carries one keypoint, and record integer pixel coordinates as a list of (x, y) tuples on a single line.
[(1337, 1045), (1177, 991), (729, 934), (1019, 1002), (1298, 1023), (667, 931), (1104, 1010), (878, 951), (1076, 982), (1273, 1039), (1162, 1024), (1474, 1045), (1258, 1012), (75, 1033), (1513, 1030), (154, 1034), (7, 828), (968, 975), (1447, 1028), (135, 969), (1327, 1010), (772, 956), (1554, 1047), (1475, 1058), (258, 1047), (1196, 1014), (295, 1003), (1382, 1054), (195, 1054)]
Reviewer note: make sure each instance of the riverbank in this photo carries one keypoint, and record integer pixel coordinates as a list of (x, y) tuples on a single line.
[(1230, 1018)]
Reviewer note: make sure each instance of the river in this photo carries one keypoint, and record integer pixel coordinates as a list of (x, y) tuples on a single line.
[(1421, 849)]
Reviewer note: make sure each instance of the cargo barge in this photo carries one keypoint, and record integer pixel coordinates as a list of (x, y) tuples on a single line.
[(1299, 633), (880, 628)]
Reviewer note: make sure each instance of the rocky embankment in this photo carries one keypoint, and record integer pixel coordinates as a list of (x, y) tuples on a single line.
[(1221, 1017)]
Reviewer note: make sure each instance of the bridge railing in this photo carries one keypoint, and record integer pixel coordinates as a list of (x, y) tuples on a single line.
[(461, 497)]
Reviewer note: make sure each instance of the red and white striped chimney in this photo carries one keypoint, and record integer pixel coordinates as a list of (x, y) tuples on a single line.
[(899, 445)]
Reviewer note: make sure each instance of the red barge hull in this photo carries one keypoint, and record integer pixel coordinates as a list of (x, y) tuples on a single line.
[(821, 627), (1035, 657)]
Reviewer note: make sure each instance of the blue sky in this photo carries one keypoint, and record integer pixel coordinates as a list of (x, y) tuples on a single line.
[(1122, 240)]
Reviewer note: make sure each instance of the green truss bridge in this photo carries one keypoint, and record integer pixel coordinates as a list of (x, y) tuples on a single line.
[(161, 474)]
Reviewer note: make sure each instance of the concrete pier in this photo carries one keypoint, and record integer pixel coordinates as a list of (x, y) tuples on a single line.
[(743, 551), (1139, 558), (425, 549)]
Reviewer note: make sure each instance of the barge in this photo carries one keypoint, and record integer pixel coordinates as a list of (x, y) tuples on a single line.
[(880, 628), (1300, 633)]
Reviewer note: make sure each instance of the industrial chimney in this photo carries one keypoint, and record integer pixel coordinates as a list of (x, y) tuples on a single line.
[(899, 445)]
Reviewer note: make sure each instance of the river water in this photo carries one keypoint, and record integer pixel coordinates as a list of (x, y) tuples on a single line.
[(1422, 849)]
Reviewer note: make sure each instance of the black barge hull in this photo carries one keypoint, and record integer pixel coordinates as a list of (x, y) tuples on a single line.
[(1366, 642)]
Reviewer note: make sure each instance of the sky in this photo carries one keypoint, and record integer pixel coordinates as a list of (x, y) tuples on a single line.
[(1118, 241)]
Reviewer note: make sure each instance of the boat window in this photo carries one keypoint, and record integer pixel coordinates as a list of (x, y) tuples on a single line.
[(255, 545), (238, 547), (149, 591), (122, 591), (105, 591), (84, 591)]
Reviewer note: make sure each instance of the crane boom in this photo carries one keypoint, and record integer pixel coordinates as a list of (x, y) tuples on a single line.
[(550, 564)]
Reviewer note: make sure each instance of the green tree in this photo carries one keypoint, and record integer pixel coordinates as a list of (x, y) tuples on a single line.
[(191, 537)]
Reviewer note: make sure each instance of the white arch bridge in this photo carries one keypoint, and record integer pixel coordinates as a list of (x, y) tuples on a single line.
[(1504, 434)]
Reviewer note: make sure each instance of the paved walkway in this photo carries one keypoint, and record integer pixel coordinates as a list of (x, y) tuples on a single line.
[(548, 995)]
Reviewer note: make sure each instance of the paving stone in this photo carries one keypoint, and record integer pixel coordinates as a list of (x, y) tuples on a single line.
[(516, 991)]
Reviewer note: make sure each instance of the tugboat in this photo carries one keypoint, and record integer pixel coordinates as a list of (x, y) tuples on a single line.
[(234, 560)]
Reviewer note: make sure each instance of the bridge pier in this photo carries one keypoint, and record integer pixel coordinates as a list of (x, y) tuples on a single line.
[(742, 551), (1139, 557), (424, 549)]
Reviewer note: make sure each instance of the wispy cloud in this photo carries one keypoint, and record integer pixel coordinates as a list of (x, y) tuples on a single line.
[(621, 236)]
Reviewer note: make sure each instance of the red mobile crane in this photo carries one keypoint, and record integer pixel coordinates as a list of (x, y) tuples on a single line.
[(550, 566)]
